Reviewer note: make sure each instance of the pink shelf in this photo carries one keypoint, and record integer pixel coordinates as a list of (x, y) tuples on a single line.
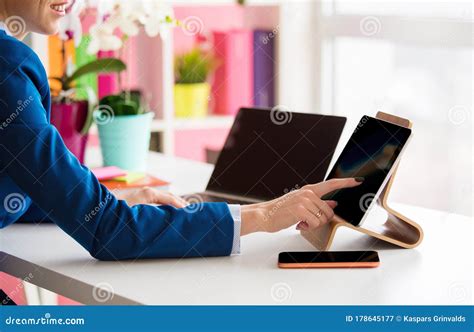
[(192, 143)]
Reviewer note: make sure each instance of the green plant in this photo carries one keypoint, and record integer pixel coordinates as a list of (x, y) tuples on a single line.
[(105, 65), (67, 88), (124, 103), (194, 67)]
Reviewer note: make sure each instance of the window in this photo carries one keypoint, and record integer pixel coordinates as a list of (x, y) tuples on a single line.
[(413, 60)]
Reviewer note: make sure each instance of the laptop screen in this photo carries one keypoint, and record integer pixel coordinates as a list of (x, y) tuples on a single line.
[(268, 153)]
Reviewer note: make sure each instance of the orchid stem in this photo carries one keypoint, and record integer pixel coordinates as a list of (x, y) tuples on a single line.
[(64, 76)]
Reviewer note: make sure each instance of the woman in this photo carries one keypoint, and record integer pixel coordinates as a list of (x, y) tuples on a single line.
[(39, 172)]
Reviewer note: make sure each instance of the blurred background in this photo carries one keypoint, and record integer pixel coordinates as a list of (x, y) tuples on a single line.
[(350, 58)]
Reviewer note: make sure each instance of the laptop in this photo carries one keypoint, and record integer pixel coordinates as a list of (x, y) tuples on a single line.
[(270, 152)]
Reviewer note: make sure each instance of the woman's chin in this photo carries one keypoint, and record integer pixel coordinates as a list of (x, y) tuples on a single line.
[(48, 29)]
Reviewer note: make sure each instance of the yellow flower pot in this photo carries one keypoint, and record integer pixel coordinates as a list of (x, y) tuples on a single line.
[(191, 100)]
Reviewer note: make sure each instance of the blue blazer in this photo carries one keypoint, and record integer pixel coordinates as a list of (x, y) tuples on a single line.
[(39, 176)]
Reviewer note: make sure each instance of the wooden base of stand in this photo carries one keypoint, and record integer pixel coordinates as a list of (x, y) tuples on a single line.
[(397, 229)]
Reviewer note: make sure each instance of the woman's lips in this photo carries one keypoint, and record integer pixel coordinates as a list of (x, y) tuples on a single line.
[(59, 8)]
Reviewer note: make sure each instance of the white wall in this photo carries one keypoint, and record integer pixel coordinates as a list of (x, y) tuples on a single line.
[(299, 56)]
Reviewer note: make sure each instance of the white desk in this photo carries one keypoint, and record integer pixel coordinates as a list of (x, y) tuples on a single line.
[(439, 271)]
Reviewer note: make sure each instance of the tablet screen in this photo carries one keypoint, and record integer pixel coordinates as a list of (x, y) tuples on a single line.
[(371, 153)]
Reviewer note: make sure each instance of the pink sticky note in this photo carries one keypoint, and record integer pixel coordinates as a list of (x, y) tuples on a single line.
[(106, 173)]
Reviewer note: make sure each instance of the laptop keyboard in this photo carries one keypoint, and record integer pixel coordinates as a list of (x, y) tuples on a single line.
[(215, 199)]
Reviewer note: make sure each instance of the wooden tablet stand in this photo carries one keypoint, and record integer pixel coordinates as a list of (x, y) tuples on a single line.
[(397, 229)]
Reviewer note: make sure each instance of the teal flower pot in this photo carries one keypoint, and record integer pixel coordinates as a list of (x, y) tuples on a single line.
[(124, 140)]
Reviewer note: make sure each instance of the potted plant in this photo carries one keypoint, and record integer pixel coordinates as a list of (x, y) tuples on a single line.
[(69, 114), (124, 119), (124, 124), (192, 91)]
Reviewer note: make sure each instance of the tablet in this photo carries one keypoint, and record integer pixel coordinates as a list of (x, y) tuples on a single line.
[(372, 153)]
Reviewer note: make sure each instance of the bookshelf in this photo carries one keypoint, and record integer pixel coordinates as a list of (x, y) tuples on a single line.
[(210, 121), (258, 16)]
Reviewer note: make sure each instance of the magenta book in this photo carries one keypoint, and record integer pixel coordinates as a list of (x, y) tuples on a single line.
[(107, 83), (233, 80)]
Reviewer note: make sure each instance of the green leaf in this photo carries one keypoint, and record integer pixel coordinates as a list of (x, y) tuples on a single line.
[(194, 67), (105, 65), (88, 122), (125, 103)]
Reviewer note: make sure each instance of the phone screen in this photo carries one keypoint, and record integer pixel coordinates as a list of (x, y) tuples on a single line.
[(370, 153), (328, 257)]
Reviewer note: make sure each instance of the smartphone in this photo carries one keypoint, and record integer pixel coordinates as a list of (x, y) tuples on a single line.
[(328, 259), (372, 153)]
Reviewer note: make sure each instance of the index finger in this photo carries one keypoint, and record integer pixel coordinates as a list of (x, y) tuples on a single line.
[(329, 186)]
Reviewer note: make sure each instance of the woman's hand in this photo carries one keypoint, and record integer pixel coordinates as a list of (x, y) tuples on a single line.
[(148, 195), (303, 206)]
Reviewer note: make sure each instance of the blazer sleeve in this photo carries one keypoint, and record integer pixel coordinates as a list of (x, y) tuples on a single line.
[(33, 154)]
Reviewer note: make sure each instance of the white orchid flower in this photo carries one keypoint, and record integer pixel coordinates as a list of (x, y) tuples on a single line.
[(70, 27), (157, 20), (128, 17), (103, 38), (105, 7), (128, 26)]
